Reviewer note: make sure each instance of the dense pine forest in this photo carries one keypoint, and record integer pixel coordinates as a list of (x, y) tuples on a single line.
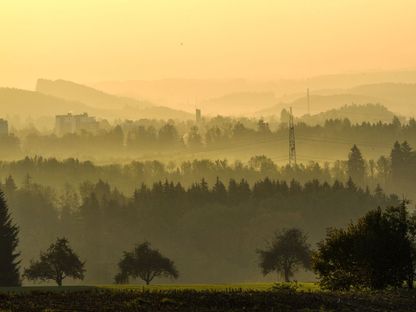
[(212, 226), (393, 172)]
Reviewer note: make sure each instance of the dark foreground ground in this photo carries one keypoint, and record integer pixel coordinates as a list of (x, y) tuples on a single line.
[(191, 300)]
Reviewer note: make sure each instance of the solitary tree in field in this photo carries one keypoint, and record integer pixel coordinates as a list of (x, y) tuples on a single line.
[(287, 253), (57, 263), (145, 263), (376, 252), (9, 264)]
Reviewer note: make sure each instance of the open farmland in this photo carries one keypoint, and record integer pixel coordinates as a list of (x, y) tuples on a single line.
[(201, 298)]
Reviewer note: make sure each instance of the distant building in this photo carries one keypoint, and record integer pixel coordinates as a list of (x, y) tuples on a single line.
[(4, 127), (74, 123), (198, 115)]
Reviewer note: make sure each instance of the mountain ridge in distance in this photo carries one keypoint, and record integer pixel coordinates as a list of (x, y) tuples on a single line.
[(398, 97), (324, 102), (121, 107), (77, 92), (36, 104), (247, 103), (188, 93), (19, 104), (356, 114)]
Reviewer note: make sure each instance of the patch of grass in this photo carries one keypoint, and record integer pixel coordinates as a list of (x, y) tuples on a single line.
[(126, 299), (52, 289), (308, 287), (214, 287)]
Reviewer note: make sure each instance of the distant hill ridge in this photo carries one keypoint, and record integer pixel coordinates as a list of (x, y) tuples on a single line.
[(243, 102), (398, 97), (185, 93), (76, 92), (318, 103), (61, 97), (372, 113), (401, 96), (36, 104)]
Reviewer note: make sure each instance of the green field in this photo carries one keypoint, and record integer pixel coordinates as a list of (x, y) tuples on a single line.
[(201, 298), (161, 287), (216, 287)]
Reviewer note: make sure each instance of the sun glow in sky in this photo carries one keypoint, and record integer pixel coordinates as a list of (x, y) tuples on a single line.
[(96, 40)]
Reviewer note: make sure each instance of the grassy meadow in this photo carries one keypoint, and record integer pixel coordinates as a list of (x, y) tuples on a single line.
[(258, 297), (301, 286)]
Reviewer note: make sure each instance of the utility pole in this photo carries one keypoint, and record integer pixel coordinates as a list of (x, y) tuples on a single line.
[(292, 143), (309, 101)]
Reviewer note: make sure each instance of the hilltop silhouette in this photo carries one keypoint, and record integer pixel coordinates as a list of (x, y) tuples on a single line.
[(60, 97)]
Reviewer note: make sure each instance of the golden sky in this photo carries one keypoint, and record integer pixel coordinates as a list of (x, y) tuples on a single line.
[(96, 40)]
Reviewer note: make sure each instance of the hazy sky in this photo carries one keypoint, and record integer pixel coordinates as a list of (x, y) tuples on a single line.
[(96, 40)]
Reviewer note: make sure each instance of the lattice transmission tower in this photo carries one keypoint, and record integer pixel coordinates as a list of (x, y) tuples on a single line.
[(292, 142)]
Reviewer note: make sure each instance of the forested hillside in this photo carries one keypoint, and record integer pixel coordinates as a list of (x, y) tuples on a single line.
[(211, 230), (216, 138)]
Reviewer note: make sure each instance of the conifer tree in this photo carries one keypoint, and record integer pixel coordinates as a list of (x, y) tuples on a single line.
[(9, 263), (356, 166), (219, 191)]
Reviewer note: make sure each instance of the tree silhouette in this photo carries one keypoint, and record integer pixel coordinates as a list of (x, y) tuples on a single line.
[(219, 192), (145, 263), (356, 166), (9, 264), (168, 135), (376, 252), (263, 127), (194, 138), (403, 161), (287, 253), (57, 263), (9, 186)]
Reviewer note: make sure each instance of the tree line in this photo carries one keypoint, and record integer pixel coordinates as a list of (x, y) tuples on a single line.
[(194, 225), (375, 252), (232, 135), (394, 172)]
